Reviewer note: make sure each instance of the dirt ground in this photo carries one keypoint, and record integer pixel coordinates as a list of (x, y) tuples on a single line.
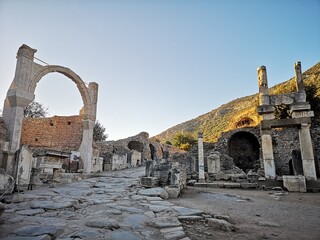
[(255, 214)]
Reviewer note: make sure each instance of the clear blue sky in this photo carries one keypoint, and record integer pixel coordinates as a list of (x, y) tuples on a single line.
[(157, 63)]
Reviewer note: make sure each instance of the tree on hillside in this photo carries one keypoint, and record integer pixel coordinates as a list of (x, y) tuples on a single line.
[(184, 141), (35, 110), (99, 132)]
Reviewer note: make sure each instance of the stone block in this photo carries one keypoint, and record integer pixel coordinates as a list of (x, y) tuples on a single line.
[(191, 182), (212, 185), (198, 184), (246, 185), (173, 192), (295, 183), (222, 176), (232, 185), (6, 182), (149, 182)]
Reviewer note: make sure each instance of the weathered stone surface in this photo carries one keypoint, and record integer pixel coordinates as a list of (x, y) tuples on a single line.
[(155, 192), (114, 211), (103, 223), (295, 183), (183, 211), (30, 231), (268, 224), (174, 235), (51, 204), (124, 235), (2, 208), (171, 229), (6, 182), (212, 185), (41, 237), (158, 208), (220, 224), (173, 192), (30, 212), (149, 182), (165, 222), (189, 218), (199, 184), (232, 185), (164, 203), (88, 234), (246, 185), (222, 176)]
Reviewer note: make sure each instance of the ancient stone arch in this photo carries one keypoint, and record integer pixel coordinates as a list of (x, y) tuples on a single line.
[(21, 93)]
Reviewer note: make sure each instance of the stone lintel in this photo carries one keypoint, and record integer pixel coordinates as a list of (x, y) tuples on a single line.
[(265, 109), (292, 122), (304, 106)]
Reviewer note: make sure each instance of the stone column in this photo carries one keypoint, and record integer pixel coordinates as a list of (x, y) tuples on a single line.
[(263, 86), (201, 158), (86, 145), (17, 99), (307, 156), (268, 159), (301, 94)]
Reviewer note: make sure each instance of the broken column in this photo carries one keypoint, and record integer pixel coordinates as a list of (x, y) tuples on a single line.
[(201, 158)]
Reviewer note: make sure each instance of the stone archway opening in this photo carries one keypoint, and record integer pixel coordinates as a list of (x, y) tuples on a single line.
[(244, 148), (135, 145)]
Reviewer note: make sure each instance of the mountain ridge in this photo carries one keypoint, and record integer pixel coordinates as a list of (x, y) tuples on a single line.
[(239, 111)]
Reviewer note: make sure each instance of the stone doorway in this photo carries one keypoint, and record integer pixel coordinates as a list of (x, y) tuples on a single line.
[(244, 148)]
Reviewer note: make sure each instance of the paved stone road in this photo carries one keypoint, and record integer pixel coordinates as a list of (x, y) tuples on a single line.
[(110, 206)]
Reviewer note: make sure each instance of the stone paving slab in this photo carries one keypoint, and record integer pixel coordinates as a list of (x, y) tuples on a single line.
[(112, 206)]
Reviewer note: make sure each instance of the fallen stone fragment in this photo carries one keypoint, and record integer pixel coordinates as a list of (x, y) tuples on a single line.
[(220, 224), (183, 211), (31, 231), (155, 192), (103, 223)]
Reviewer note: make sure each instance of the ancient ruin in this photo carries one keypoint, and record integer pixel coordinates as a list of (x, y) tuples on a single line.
[(20, 94)]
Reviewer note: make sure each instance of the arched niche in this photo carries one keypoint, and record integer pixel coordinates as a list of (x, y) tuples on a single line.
[(244, 148)]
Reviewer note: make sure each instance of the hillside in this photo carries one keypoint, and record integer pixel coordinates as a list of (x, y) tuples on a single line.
[(233, 114)]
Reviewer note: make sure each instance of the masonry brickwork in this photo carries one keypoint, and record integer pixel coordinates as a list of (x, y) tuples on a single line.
[(59, 133)]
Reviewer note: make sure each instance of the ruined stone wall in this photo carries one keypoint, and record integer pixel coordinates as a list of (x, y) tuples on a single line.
[(54, 132)]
